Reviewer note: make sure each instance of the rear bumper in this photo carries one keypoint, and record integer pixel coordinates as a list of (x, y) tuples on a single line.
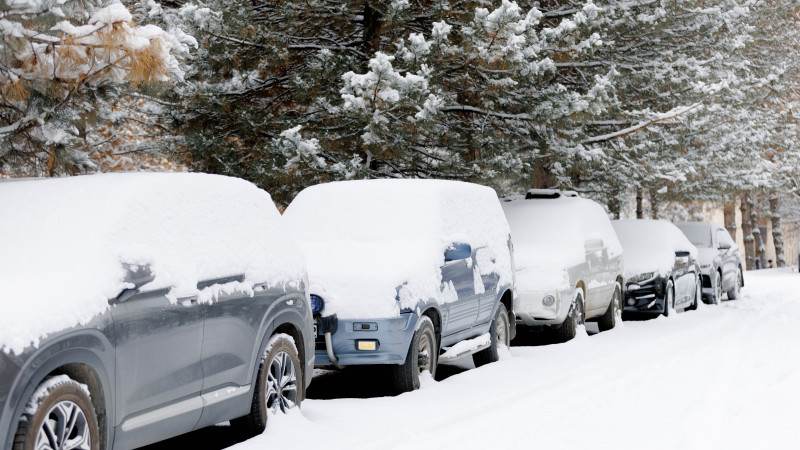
[(393, 338)]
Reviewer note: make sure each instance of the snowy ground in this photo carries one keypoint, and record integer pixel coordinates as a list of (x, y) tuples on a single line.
[(724, 376)]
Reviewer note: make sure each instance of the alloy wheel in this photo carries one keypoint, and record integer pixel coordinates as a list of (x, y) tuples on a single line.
[(425, 351), (281, 383), (64, 428)]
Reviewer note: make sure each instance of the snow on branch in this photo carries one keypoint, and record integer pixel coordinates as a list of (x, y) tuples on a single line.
[(676, 112)]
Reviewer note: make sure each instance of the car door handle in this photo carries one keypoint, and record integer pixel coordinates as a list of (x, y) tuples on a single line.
[(188, 301)]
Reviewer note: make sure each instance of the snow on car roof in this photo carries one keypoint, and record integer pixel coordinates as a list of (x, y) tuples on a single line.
[(67, 238), (365, 238), (650, 245), (550, 233)]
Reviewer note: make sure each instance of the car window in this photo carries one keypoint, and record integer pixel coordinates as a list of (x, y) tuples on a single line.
[(699, 236)]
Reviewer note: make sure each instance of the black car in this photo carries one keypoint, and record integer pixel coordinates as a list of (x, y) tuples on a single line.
[(661, 269)]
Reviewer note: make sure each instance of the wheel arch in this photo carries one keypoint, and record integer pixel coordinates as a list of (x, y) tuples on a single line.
[(293, 331), (80, 364)]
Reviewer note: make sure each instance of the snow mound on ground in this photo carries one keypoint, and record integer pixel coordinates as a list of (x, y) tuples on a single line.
[(650, 245), (364, 239), (67, 240), (549, 237)]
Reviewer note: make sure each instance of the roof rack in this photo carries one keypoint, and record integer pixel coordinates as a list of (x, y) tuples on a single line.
[(548, 194)]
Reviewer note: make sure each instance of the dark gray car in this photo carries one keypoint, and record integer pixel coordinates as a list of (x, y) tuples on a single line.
[(719, 258), (153, 365)]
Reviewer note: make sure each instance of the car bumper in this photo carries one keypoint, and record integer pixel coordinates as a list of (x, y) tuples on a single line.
[(644, 298), (531, 311), (392, 336)]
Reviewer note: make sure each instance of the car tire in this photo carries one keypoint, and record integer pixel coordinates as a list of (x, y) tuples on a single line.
[(58, 401), (733, 294), (500, 334), (569, 329), (716, 298), (279, 386), (423, 354), (669, 298), (698, 297), (609, 320)]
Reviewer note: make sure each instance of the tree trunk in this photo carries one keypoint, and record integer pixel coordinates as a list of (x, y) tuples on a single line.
[(541, 177), (777, 234), (747, 233), (614, 205), (730, 218), (372, 29), (639, 210), (758, 240), (653, 204)]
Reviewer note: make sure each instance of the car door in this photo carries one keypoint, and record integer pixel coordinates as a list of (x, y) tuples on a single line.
[(233, 320), (684, 279), (729, 261), (158, 372), (462, 312), (485, 280)]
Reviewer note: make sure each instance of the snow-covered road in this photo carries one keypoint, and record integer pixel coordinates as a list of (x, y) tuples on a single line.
[(724, 376)]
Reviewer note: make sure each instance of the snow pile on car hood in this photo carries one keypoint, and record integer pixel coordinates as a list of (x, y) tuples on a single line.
[(66, 239), (549, 237), (364, 239), (650, 245)]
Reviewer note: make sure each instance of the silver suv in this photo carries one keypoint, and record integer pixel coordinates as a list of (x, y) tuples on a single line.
[(201, 315), (719, 258), (568, 262)]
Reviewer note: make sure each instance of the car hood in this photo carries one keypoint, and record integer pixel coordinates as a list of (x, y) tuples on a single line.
[(362, 280)]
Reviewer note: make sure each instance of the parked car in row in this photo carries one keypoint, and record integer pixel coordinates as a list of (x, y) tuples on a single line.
[(568, 261), (719, 258), (407, 273), (661, 270), (137, 307)]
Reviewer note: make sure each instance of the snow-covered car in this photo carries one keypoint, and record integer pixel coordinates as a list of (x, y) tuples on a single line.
[(661, 270), (407, 273), (568, 261), (719, 258), (136, 307)]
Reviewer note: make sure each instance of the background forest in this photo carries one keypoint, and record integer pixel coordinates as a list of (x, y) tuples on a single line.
[(668, 103)]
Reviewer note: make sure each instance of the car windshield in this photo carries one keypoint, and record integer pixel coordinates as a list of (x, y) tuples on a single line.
[(699, 236)]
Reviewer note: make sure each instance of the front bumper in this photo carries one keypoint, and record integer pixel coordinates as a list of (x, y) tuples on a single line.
[(645, 298), (393, 338), (530, 310)]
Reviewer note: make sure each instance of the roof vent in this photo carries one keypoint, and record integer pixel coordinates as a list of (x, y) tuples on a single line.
[(548, 194)]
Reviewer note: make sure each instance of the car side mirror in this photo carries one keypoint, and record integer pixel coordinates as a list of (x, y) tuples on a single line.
[(682, 254), (138, 276), (593, 245), (724, 246), (457, 251)]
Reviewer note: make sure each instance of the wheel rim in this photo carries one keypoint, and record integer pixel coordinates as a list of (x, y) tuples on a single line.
[(64, 428), (424, 359), (718, 288), (617, 302), (502, 331), (281, 383), (738, 280)]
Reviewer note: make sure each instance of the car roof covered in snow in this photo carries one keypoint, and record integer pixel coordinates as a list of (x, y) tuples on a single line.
[(365, 238), (66, 240), (551, 232), (650, 245)]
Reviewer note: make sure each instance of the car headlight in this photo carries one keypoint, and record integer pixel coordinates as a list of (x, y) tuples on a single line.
[(642, 277), (317, 303)]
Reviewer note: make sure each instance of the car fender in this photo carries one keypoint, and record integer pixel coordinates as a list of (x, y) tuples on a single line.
[(87, 346)]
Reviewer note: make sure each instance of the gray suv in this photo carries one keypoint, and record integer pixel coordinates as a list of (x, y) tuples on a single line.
[(205, 327), (719, 258), (406, 273)]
